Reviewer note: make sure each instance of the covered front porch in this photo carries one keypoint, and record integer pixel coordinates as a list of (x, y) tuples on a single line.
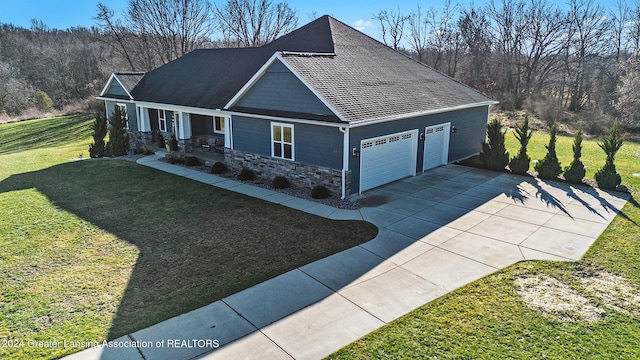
[(198, 131)]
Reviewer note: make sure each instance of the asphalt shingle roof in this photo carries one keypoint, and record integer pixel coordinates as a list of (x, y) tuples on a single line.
[(358, 76), (366, 80), (129, 80)]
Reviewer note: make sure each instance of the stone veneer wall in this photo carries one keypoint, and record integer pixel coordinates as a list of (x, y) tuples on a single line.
[(299, 174), (137, 139)]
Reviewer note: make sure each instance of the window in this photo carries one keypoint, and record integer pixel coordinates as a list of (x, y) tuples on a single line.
[(218, 125), (162, 120), (123, 109), (282, 141)]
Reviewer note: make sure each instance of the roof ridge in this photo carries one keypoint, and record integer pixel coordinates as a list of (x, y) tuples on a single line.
[(407, 56)]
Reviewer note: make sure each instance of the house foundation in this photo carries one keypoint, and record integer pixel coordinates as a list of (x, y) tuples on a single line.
[(301, 175)]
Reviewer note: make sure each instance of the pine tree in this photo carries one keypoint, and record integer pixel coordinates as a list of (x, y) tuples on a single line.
[(494, 155), (549, 167), (97, 149), (574, 173), (520, 163), (607, 177), (118, 139)]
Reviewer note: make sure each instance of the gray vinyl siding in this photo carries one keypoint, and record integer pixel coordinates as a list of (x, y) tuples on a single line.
[(315, 145), (318, 145), (279, 89), (470, 127), (251, 135), (116, 89), (131, 112)]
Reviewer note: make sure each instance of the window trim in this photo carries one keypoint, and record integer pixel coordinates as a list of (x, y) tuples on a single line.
[(162, 120), (224, 125), (126, 114), (282, 142)]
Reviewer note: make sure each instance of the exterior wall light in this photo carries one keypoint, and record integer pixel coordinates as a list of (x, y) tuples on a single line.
[(356, 152), (454, 129)]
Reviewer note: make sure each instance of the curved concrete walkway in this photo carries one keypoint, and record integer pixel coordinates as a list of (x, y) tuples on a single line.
[(438, 231)]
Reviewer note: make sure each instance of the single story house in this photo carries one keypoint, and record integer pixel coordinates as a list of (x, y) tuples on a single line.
[(324, 104)]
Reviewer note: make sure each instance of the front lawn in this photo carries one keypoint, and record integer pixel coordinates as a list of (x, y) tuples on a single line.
[(92, 250), (582, 310)]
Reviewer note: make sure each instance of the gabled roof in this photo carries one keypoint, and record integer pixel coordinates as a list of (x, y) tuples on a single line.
[(367, 80), (126, 80), (129, 80), (357, 76)]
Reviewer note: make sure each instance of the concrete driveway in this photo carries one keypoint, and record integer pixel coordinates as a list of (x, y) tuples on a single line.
[(438, 231)]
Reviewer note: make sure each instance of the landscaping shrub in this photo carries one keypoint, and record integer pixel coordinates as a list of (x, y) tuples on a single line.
[(319, 192), (118, 139), (280, 182), (246, 174), (520, 163), (494, 155), (574, 173), (549, 167), (607, 177), (148, 150), (191, 161), (97, 149), (173, 143), (161, 143), (175, 157), (219, 168)]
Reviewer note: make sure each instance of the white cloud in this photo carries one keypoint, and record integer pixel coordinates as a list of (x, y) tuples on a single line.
[(362, 24)]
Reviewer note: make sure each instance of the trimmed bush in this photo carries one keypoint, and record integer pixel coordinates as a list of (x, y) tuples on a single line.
[(219, 168), (246, 174), (520, 163), (191, 161), (574, 173), (494, 155), (607, 177), (549, 167), (319, 192), (118, 139), (175, 157), (98, 148), (280, 182), (148, 150)]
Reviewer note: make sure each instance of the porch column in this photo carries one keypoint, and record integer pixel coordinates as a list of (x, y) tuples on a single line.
[(184, 129), (184, 132), (143, 119)]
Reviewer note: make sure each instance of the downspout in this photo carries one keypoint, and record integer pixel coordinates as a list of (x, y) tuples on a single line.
[(345, 159)]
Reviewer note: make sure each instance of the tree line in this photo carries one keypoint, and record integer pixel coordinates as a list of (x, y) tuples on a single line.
[(579, 56)]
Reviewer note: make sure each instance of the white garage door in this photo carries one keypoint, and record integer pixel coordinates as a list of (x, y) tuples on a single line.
[(387, 158), (436, 145)]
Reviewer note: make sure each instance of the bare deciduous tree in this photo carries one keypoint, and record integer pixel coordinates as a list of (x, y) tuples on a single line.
[(587, 27), (392, 26), (175, 27), (254, 22)]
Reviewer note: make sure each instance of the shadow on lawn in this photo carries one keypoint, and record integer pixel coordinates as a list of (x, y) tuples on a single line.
[(197, 244)]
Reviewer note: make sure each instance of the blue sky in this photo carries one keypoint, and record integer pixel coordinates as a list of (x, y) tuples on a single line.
[(62, 14)]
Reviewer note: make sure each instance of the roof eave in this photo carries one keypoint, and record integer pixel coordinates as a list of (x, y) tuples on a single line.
[(365, 122), (111, 78)]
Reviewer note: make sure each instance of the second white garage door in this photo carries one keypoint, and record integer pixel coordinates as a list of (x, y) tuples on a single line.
[(387, 158)]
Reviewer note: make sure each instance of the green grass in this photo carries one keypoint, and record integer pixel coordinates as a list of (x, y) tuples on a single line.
[(92, 250), (488, 320), (627, 159)]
